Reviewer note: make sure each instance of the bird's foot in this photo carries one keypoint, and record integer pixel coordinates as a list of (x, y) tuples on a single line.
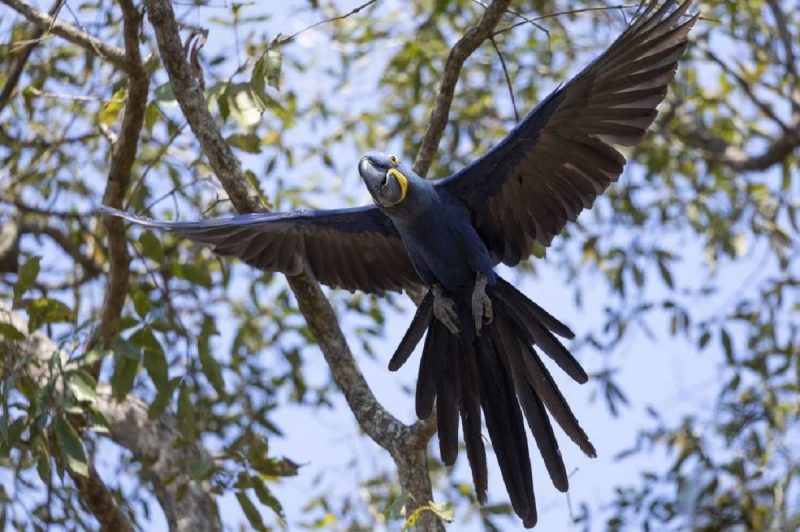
[(481, 304), (444, 309)]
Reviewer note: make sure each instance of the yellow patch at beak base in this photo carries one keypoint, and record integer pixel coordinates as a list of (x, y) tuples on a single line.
[(401, 180)]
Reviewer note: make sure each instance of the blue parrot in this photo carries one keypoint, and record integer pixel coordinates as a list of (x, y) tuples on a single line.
[(448, 235)]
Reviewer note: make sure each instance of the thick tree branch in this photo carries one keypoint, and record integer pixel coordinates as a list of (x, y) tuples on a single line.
[(444, 98), (193, 104), (112, 54), (119, 177), (188, 505)]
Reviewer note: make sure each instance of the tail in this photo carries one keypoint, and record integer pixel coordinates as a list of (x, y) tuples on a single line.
[(499, 372)]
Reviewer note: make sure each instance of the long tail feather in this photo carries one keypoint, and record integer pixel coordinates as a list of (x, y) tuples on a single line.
[(500, 375)]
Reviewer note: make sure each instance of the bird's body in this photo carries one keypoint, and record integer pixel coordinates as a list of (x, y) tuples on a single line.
[(440, 239), (480, 331)]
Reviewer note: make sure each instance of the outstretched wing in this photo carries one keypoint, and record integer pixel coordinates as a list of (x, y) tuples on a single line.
[(562, 156), (354, 249)]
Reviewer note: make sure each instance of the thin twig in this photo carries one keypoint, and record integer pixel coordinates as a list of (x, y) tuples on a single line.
[(508, 78), (561, 14), (326, 21)]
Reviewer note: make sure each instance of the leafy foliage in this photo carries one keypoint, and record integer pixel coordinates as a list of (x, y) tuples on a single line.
[(698, 243)]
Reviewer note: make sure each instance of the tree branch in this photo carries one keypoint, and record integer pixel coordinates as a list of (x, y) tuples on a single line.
[(119, 177), (101, 503), (112, 54), (444, 98), (188, 505)]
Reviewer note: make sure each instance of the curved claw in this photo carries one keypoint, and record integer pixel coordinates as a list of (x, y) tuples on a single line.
[(444, 309), (481, 304)]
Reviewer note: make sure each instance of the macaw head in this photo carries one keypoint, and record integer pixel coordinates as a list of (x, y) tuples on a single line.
[(386, 177)]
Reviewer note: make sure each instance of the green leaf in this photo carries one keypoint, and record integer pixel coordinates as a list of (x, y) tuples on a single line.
[(266, 72), (151, 246), (265, 496), (164, 93), (151, 116), (163, 399), (211, 368), (243, 105), (110, 111), (186, 414), (194, 274), (70, 447), (26, 277), (45, 310), (9, 332), (250, 511), (141, 302), (155, 363), (395, 509), (126, 364), (247, 142), (446, 511), (727, 346), (82, 386)]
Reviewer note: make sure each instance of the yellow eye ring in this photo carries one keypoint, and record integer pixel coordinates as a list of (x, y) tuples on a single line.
[(394, 160)]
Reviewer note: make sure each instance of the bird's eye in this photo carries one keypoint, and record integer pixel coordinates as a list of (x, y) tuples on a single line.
[(394, 160)]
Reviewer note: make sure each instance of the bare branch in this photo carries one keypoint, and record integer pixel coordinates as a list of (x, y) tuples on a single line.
[(38, 349), (112, 54), (508, 78), (788, 41), (327, 20), (119, 177), (776, 152), (746, 87), (444, 98)]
